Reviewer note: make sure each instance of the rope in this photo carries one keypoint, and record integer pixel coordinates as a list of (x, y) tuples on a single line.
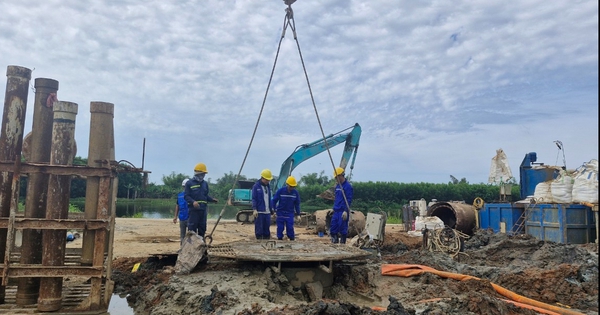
[(446, 240)]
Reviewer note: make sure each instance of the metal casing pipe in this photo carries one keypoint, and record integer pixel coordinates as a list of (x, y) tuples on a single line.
[(101, 147), (59, 186), (457, 215), (39, 143), (11, 140)]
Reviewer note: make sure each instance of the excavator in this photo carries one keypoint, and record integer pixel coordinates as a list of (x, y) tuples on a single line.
[(242, 196)]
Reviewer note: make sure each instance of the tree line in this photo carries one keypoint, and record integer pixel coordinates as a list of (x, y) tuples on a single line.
[(367, 195)]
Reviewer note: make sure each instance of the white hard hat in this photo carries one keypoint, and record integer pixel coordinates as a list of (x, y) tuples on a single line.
[(184, 181)]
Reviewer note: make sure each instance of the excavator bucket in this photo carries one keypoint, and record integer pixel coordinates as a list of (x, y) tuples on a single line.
[(193, 250)]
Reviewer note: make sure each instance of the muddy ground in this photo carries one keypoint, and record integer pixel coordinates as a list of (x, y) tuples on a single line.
[(564, 276)]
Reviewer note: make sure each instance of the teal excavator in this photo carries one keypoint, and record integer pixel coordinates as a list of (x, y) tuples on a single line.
[(242, 196)]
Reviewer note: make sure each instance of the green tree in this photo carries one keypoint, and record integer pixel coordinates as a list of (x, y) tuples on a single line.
[(173, 180), (220, 189), (131, 180), (313, 179)]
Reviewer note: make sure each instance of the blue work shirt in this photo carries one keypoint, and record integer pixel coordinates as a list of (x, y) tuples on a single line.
[(258, 197), (183, 207), (339, 204), (287, 203), (196, 190)]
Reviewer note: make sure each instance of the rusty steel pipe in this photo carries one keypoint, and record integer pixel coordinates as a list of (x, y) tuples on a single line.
[(36, 148), (459, 216), (54, 242), (11, 140), (101, 147)]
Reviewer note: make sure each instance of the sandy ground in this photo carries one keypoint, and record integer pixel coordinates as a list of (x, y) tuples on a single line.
[(147, 237), (563, 276)]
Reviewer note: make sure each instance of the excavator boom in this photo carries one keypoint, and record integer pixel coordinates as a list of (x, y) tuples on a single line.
[(243, 195)]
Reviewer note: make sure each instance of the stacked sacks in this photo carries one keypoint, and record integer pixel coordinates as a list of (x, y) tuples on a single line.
[(579, 187), (585, 185), (559, 190)]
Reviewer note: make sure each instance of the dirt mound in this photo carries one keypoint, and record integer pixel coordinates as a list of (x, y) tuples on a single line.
[(556, 274)]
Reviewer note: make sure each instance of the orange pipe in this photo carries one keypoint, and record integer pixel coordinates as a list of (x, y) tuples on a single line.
[(531, 307), (406, 270)]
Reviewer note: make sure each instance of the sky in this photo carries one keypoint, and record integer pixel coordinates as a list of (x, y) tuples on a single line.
[(437, 86)]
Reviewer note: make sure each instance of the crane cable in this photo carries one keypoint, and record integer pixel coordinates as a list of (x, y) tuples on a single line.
[(287, 22)]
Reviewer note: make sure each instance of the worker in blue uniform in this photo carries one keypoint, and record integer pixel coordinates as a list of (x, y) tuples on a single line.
[(182, 212), (341, 207), (287, 206), (262, 206), (197, 196)]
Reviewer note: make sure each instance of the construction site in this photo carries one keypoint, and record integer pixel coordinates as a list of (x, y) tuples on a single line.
[(538, 255), (535, 256)]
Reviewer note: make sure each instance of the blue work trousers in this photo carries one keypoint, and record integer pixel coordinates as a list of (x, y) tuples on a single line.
[(287, 223), (338, 225), (197, 221), (262, 226)]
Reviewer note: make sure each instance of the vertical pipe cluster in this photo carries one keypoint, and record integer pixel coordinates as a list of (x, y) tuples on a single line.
[(59, 187), (101, 148), (35, 202), (52, 141), (11, 142)]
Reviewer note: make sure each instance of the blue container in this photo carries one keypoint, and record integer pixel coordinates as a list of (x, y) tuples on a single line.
[(501, 217), (561, 223), (532, 175)]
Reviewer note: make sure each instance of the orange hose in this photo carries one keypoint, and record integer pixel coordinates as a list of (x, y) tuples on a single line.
[(406, 270), (531, 307)]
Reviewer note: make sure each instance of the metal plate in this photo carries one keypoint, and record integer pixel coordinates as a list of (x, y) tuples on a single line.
[(285, 251)]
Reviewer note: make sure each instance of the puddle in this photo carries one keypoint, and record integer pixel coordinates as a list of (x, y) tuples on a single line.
[(118, 306)]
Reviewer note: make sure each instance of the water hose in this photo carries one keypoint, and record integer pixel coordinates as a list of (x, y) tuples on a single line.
[(407, 270)]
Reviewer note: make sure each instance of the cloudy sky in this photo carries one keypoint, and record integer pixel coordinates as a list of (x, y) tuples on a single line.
[(437, 86)]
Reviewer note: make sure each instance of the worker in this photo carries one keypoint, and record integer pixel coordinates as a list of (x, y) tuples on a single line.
[(181, 212), (262, 206), (341, 209), (197, 197), (287, 205)]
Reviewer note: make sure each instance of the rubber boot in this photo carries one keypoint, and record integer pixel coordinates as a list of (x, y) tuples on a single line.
[(334, 239), (343, 239)]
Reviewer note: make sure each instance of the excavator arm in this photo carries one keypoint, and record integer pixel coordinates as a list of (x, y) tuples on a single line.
[(306, 151), (350, 136)]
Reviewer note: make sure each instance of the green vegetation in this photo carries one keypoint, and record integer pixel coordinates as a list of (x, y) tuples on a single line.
[(368, 196)]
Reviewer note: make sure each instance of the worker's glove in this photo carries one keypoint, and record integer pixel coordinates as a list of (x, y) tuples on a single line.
[(297, 218), (255, 214), (345, 216)]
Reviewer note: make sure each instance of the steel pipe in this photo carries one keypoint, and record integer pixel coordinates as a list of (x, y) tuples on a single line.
[(59, 187), (38, 144), (457, 215), (11, 141)]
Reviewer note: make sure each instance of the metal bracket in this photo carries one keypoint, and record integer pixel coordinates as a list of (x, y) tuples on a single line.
[(325, 268)]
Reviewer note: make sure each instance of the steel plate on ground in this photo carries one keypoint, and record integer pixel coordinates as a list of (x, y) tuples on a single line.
[(285, 251)]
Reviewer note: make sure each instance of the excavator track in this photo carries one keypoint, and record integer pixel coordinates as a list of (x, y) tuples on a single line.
[(244, 216)]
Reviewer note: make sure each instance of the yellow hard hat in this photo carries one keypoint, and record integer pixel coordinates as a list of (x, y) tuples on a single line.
[(266, 174), (291, 181), (200, 168), (338, 171)]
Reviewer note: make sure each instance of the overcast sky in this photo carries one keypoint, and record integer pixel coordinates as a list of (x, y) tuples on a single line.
[(437, 86)]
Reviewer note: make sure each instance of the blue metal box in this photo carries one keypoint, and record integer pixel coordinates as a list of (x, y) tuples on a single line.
[(499, 217), (561, 223)]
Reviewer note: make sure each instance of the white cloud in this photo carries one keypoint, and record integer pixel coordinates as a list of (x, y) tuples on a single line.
[(437, 87)]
